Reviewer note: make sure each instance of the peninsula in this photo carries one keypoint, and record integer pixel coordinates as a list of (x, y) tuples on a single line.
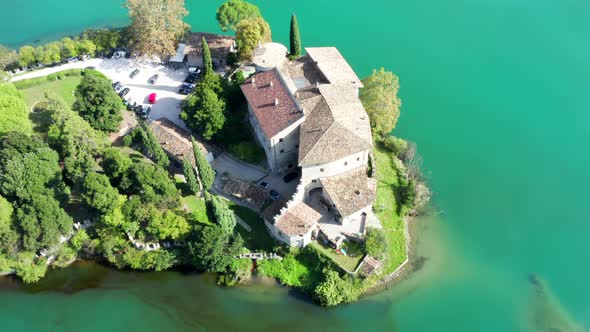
[(150, 147)]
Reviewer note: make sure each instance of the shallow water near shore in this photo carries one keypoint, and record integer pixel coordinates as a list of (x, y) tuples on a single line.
[(494, 94)]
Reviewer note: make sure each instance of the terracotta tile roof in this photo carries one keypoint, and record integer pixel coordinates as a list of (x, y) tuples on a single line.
[(333, 65), (298, 220), (271, 102), (219, 45), (338, 126), (173, 139), (350, 191)]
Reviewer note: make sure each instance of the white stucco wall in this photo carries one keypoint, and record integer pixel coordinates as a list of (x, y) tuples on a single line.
[(299, 241), (286, 141), (310, 173)]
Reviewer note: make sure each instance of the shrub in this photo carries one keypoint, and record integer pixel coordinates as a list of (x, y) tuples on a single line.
[(376, 243), (396, 145)]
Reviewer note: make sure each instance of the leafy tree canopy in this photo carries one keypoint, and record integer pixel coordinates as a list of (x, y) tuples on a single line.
[(295, 38), (376, 243), (7, 57), (98, 194), (204, 112), (231, 12), (156, 26), (379, 97), (250, 32), (216, 249), (13, 111), (98, 103)]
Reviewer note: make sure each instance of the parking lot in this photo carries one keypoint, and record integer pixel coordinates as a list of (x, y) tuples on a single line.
[(166, 88)]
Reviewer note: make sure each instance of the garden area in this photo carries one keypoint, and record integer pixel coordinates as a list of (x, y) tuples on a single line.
[(258, 238), (350, 261), (386, 208)]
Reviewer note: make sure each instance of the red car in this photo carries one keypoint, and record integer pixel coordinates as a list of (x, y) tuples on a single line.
[(152, 98)]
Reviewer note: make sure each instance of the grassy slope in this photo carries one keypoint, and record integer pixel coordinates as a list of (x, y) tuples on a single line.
[(347, 262), (258, 238), (63, 88), (386, 207)]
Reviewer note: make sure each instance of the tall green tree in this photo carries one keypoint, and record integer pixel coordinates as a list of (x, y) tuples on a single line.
[(250, 32), (86, 46), (294, 38), (190, 176), (152, 147), (156, 26), (115, 163), (26, 56), (206, 172), (376, 243), (98, 194), (203, 111), (216, 249), (379, 97), (221, 212), (14, 114), (98, 103), (207, 62), (231, 12)]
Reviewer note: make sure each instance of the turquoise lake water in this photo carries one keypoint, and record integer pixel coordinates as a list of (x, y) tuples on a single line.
[(495, 93)]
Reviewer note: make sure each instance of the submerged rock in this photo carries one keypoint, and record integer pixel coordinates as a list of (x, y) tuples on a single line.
[(546, 312)]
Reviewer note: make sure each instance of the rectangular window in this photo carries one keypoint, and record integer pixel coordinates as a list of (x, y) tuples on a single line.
[(282, 150), (346, 163), (321, 169), (280, 140), (358, 158), (314, 180)]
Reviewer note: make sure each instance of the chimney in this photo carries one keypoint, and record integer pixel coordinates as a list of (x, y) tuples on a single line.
[(276, 101), (253, 80), (271, 84)]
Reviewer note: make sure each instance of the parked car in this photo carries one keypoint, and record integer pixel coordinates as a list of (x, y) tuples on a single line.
[(145, 112), (84, 57), (152, 98), (130, 106), (264, 184), (134, 73), (117, 86), (290, 177), (274, 194), (184, 91), (119, 55), (124, 92), (137, 109), (72, 59), (196, 70), (91, 67), (187, 86), (153, 79)]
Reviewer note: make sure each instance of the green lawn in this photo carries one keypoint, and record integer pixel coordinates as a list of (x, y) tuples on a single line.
[(196, 206), (385, 207), (258, 238), (64, 88), (347, 262)]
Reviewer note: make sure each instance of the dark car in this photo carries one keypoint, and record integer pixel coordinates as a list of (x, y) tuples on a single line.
[(117, 86), (274, 195), (153, 79), (91, 67), (290, 177), (184, 91), (137, 109), (264, 184), (134, 73), (145, 112), (130, 106), (188, 86), (191, 80), (124, 92)]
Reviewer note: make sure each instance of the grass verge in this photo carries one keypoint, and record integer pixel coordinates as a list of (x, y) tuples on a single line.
[(385, 207)]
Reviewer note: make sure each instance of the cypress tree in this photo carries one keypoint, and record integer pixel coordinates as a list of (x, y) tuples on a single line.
[(189, 174), (295, 38), (207, 62), (206, 172)]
